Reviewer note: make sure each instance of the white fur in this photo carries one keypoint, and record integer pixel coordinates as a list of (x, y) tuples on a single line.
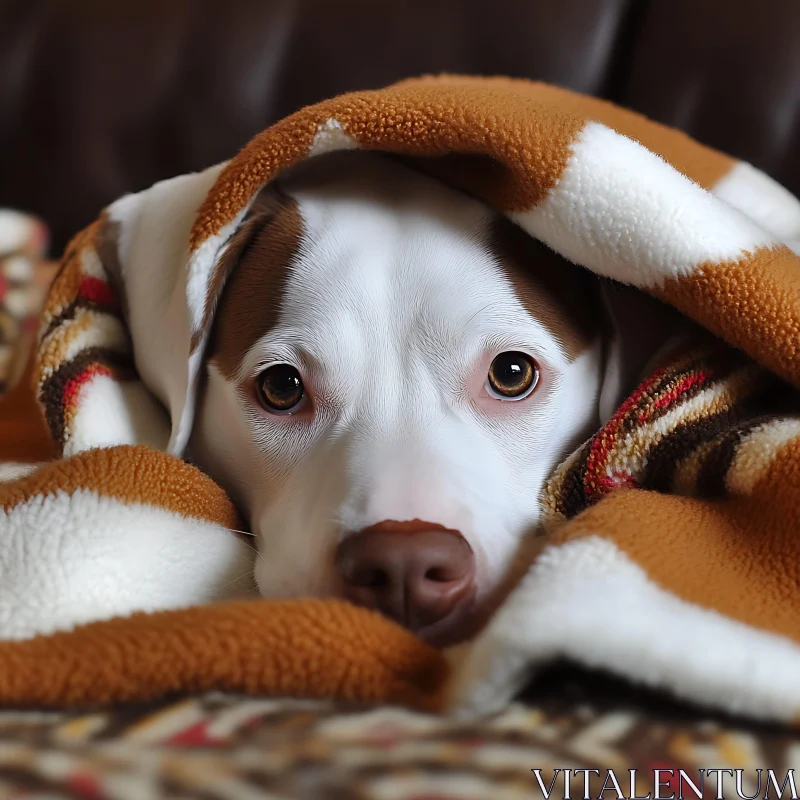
[(394, 309), (625, 213), (69, 559), (588, 602)]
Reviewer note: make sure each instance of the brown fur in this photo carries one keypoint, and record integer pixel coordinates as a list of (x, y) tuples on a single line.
[(563, 297), (261, 251)]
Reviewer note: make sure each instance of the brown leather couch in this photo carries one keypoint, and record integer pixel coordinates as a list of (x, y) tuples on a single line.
[(101, 97)]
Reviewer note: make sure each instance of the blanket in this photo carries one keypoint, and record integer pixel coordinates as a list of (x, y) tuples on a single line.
[(668, 555)]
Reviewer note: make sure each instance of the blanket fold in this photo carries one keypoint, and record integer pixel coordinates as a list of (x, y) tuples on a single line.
[(669, 549), (312, 649)]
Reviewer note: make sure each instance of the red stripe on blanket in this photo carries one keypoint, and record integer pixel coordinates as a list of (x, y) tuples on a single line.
[(196, 735), (607, 483), (702, 376), (73, 386), (96, 291), (601, 446), (85, 785)]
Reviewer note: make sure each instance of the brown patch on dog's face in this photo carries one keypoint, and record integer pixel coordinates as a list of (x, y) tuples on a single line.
[(254, 271), (560, 295)]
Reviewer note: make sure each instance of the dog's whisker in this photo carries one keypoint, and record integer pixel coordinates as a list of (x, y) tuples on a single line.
[(222, 588), (245, 533), (254, 549), (248, 559)]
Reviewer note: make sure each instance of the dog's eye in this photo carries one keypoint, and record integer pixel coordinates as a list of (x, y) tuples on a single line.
[(280, 388), (512, 376)]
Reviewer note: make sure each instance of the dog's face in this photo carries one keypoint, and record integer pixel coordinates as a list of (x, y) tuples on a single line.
[(394, 371)]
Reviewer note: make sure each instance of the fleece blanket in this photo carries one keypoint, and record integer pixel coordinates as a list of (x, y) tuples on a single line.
[(669, 554)]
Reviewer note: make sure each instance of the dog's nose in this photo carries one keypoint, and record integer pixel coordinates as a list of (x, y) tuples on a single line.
[(422, 578)]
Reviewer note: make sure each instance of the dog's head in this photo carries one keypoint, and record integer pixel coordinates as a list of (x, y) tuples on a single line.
[(393, 372)]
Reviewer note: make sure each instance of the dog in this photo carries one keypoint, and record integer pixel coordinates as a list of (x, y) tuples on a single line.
[(393, 373)]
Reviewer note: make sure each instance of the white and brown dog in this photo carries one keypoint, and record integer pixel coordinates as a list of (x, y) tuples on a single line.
[(393, 373)]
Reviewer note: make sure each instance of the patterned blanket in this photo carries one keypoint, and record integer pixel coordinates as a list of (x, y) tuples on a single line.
[(233, 747), (668, 553)]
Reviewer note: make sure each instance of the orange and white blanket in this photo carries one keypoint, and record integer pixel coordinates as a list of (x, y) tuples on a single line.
[(670, 552)]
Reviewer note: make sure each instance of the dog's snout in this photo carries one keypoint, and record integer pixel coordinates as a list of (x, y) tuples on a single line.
[(424, 578)]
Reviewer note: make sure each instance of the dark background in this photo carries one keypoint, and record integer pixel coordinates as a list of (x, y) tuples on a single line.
[(101, 97)]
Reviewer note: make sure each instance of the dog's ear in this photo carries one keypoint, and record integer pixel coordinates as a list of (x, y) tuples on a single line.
[(639, 326), (262, 210), (169, 283)]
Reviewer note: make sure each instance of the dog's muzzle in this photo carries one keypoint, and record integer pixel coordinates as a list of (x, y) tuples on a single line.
[(419, 574)]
